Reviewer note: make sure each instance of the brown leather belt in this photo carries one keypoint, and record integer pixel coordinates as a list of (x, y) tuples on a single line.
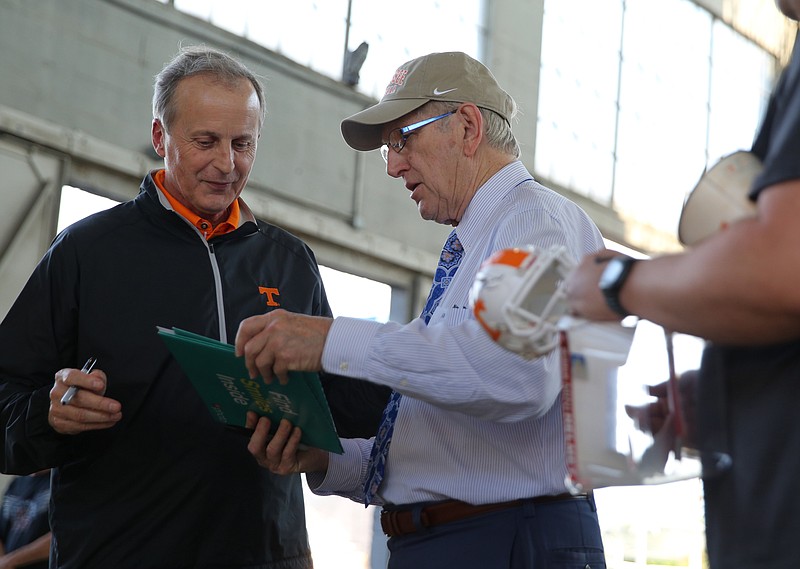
[(401, 521)]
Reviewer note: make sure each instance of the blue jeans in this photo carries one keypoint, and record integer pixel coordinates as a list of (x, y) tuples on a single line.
[(553, 535)]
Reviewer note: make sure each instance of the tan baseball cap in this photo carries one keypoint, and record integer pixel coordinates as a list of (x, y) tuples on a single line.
[(452, 77)]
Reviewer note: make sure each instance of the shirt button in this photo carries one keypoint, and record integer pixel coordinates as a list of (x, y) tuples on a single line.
[(204, 226), (343, 366)]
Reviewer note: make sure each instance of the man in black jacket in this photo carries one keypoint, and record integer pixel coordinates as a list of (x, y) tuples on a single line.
[(143, 476)]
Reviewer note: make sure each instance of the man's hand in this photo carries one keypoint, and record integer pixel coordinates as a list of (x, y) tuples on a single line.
[(280, 454), (653, 417), (279, 341), (89, 410), (583, 293)]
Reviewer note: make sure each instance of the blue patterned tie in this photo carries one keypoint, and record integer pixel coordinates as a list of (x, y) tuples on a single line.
[(448, 263)]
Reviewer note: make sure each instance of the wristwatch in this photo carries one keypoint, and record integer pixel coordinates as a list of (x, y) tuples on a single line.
[(613, 278)]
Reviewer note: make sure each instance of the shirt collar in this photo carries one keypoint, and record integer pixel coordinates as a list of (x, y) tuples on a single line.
[(203, 225), (487, 199)]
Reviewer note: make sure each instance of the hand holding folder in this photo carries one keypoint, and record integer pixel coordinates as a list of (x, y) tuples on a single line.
[(223, 382)]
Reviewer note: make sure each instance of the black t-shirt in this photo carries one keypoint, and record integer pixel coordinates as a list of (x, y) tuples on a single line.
[(778, 141), (751, 396), (24, 513)]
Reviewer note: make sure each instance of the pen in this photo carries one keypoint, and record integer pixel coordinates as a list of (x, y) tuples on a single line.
[(73, 389)]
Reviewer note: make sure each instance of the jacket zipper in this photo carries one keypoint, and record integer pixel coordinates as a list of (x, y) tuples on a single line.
[(223, 334)]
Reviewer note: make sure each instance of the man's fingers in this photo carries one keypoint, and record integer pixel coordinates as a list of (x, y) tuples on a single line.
[(259, 439), (248, 328), (94, 381), (277, 445), (658, 390), (263, 363), (282, 375), (290, 449), (250, 342), (250, 420), (254, 354), (650, 417), (289, 439), (88, 410), (77, 417), (277, 453)]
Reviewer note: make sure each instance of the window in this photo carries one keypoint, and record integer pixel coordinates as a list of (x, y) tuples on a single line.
[(313, 32), (76, 204), (629, 115), (578, 95)]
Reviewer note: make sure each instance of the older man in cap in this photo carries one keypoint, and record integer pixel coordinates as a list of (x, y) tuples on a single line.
[(475, 473)]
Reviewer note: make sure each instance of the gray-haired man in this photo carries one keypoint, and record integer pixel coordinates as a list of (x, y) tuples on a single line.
[(474, 475)]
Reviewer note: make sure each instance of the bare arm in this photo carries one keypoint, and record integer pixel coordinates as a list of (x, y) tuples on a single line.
[(738, 287), (37, 550)]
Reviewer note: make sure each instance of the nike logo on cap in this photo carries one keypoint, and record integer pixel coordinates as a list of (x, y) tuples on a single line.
[(436, 91)]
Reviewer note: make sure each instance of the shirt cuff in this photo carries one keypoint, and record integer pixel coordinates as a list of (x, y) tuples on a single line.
[(347, 346), (346, 472)]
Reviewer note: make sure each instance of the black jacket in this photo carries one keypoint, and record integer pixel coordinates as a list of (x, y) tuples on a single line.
[(167, 486)]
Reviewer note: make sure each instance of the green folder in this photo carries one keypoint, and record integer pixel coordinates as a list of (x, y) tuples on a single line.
[(224, 384)]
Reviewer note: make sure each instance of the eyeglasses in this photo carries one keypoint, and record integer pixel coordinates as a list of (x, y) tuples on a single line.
[(399, 136)]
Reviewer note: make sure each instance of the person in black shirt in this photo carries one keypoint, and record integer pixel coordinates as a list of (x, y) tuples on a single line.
[(739, 290)]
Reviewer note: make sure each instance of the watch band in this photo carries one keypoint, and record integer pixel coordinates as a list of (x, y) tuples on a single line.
[(612, 300), (612, 281)]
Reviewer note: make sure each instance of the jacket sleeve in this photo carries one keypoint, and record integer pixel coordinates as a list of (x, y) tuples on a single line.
[(37, 338)]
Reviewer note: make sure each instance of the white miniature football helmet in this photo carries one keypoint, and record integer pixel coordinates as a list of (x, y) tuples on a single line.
[(518, 299)]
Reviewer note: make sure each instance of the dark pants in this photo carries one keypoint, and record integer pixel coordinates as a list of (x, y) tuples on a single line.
[(554, 535)]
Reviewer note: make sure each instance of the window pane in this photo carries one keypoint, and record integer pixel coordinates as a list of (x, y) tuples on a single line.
[(356, 297), (312, 32), (680, 105), (76, 204), (741, 79), (663, 109), (420, 27), (577, 95)]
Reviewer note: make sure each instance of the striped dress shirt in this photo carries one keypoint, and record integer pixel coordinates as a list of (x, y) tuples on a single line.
[(477, 423)]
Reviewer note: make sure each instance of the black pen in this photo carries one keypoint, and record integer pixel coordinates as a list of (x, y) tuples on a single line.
[(73, 389)]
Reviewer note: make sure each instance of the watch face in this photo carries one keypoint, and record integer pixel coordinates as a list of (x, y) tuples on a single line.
[(612, 273)]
